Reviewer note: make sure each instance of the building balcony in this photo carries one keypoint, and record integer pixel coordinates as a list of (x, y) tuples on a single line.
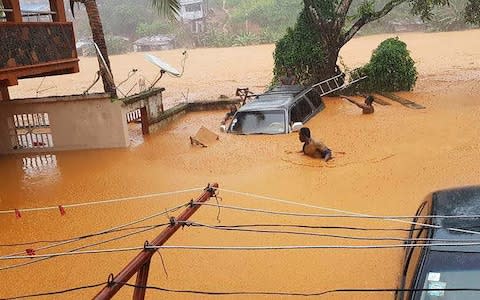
[(34, 44), (36, 49)]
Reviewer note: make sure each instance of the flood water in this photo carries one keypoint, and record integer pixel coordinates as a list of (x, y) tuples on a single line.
[(385, 164)]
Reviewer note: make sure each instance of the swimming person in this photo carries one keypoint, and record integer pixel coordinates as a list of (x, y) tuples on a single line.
[(367, 107), (312, 147)]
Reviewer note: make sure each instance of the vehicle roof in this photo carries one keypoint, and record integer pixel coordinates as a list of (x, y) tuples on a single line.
[(457, 202), (280, 97)]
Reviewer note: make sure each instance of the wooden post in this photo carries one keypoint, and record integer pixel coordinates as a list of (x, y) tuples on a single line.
[(144, 119), (15, 15), (4, 95), (142, 279), (58, 7), (138, 264)]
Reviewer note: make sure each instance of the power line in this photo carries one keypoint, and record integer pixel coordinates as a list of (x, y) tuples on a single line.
[(115, 200), (283, 213), (106, 231), (322, 293), (227, 228), (239, 248), (318, 227), (38, 259), (64, 240), (82, 247), (349, 214), (56, 292), (250, 293)]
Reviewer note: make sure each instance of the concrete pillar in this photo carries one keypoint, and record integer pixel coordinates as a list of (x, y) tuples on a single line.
[(58, 7)]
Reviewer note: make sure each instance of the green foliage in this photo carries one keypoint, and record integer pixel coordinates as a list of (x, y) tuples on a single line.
[(366, 8), (390, 69), (472, 12), (272, 15), (154, 28), (215, 38), (300, 50)]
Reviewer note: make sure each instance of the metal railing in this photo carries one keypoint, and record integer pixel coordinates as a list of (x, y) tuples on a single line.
[(27, 15), (134, 116)]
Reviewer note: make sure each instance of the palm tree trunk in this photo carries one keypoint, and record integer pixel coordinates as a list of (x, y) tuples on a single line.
[(99, 39)]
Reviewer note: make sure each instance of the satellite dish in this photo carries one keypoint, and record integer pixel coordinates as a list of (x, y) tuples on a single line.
[(104, 63), (162, 65)]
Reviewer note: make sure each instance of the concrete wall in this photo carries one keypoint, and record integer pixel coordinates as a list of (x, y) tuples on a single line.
[(152, 100), (76, 122), (175, 112)]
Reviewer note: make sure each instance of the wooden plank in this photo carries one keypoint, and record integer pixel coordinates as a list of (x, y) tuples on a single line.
[(403, 101), (379, 100)]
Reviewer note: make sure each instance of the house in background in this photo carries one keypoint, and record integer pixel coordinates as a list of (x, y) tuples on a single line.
[(154, 43), (194, 13)]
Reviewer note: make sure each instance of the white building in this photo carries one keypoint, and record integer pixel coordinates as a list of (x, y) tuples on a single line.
[(194, 12)]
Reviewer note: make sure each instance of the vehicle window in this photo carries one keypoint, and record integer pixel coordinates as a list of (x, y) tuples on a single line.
[(300, 111), (413, 256), (450, 270), (315, 98), (267, 122)]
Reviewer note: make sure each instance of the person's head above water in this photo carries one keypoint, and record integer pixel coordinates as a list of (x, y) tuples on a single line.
[(369, 100), (304, 134)]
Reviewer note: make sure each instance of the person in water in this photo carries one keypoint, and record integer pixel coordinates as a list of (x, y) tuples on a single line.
[(289, 78), (367, 107), (229, 115), (312, 147)]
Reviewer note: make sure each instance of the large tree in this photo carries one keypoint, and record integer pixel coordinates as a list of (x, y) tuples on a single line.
[(335, 23), (165, 7)]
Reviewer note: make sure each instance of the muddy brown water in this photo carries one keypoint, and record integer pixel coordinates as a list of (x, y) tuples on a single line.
[(392, 159)]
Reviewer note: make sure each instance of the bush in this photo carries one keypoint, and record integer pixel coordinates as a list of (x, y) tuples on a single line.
[(300, 50), (390, 69)]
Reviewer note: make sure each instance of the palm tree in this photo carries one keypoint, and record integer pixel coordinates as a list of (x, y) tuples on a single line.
[(168, 8)]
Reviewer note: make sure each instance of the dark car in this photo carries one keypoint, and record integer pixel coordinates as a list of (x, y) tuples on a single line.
[(444, 266), (281, 110)]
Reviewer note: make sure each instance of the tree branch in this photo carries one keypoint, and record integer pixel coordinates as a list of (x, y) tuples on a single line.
[(369, 18), (343, 7), (313, 12), (341, 12)]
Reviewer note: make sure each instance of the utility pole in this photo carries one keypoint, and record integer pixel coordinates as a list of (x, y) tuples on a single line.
[(141, 263)]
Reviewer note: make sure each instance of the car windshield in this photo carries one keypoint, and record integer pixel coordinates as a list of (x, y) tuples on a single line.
[(450, 270), (254, 122)]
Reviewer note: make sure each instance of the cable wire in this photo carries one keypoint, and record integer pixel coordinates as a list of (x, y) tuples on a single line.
[(350, 214), (335, 216), (38, 259), (115, 200), (322, 293), (106, 231), (238, 248), (347, 237), (56, 292), (63, 240), (319, 227)]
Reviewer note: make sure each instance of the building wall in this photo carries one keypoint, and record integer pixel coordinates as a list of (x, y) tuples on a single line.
[(76, 122)]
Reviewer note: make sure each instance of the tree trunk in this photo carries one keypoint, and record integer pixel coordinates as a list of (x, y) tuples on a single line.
[(330, 65), (99, 39)]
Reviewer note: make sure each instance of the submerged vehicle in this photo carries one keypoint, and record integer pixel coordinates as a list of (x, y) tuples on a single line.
[(281, 110), (432, 271), (285, 108)]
